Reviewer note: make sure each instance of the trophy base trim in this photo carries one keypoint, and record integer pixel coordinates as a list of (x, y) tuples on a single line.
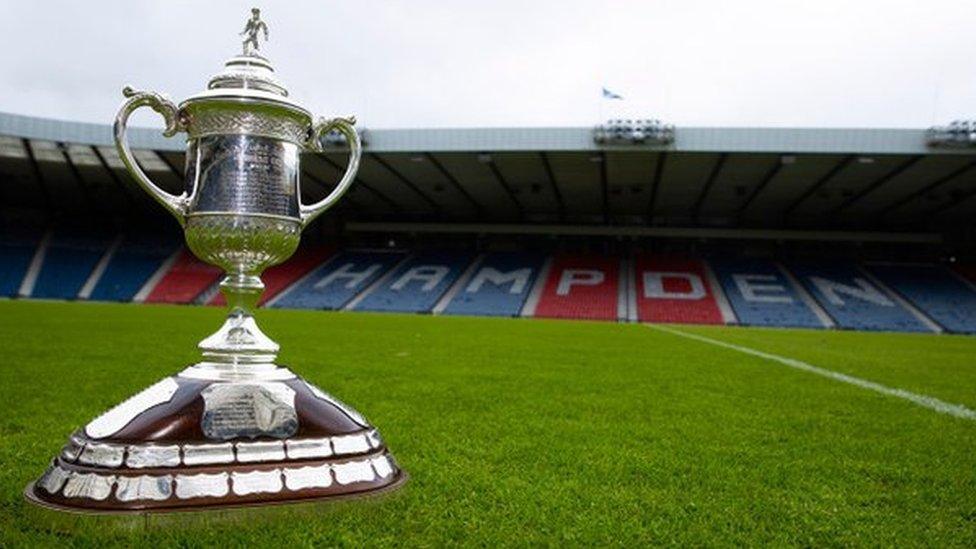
[(401, 478)]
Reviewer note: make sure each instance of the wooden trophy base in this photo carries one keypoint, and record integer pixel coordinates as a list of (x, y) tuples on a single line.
[(192, 441)]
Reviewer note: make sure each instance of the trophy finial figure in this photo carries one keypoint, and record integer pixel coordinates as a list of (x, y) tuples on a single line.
[(252, 28)]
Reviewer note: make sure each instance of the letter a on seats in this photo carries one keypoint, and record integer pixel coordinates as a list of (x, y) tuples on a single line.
[(430, 275)]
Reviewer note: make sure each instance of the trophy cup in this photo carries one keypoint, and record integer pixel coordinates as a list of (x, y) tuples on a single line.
[(234, 429)]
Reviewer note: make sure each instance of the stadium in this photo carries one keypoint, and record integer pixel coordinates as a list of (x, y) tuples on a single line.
[(631, 333), (845, 229)]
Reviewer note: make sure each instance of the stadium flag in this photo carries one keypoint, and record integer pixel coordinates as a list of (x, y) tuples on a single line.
[(607, 94)]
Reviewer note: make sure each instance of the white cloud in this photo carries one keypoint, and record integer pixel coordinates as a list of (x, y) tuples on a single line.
[(422, 63)]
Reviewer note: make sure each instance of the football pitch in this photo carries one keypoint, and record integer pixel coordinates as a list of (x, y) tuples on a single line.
[(533, 432)]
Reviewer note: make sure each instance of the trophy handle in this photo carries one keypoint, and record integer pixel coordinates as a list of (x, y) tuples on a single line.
[(176, 205), (345, 127)]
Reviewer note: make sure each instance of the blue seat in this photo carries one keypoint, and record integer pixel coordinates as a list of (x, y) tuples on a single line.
[(16, 252), (71, 256), (337, 281), (761, 295), (134, 261), (499, 285), (418, 283), (852, 300), (935, 291)]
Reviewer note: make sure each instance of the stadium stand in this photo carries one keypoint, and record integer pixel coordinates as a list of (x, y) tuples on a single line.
[(581, 286), (16, 252), (498, 286), (674, 289), (416, 285), (851, 299), (281, 276), (817, 193), (185, 280), (940, 294), (895, 297), (134, 261), (338, 281), (68, 261), (761, 295)]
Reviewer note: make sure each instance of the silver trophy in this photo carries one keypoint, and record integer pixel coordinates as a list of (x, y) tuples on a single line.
[(235, 428), (241, 210)]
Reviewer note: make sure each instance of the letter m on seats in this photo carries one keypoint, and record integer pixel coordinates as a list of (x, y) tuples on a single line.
[(518, 278)]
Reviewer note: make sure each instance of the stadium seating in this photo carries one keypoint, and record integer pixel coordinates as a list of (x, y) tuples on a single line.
[(186, 279), (674, 289), (761, 295), (966, 271), (671, 289), (279, 277), (940, 294), (416, 285), (68, 262), (498, 286), (16, 252), (134, 261), (581, 286), (851, 299), (339, 280)]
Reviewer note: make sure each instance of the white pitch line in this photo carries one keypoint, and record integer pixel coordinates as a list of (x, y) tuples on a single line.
[(931, 403)]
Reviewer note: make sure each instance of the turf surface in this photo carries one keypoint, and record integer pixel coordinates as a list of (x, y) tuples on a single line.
[(527, 432)]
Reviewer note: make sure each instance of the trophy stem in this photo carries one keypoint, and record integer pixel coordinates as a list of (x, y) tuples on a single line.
[(239, 342), (242, 291)]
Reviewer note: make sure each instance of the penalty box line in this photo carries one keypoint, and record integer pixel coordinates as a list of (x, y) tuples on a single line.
[(932, 403)]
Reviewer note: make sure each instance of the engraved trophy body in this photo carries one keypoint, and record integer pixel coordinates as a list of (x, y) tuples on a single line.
[(233, 429)]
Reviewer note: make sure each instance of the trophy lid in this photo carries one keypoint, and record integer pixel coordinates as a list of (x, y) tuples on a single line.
[(248, 75), (248, 72)]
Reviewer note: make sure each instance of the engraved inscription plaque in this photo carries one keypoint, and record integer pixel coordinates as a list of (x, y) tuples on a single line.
[(248, 410), (243, 174)]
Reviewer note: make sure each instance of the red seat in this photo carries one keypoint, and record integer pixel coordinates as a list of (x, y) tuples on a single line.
[(184, 281), (689, 280), (589, 284), (967, 271)]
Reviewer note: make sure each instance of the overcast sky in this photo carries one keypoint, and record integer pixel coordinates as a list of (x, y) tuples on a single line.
[(419, 63)]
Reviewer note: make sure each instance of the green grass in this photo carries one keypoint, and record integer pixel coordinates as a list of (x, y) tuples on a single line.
[(528, 432)]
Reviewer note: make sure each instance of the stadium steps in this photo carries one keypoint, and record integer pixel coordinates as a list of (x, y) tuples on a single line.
[(584, 286), (498, 285), (67, 263), (967, 272), (16, 252), (676, 289), (186, 279), (762, 295), (853, 299), (936, 291), (131, 263), (337, 282), (416, 285), (278, 278)]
